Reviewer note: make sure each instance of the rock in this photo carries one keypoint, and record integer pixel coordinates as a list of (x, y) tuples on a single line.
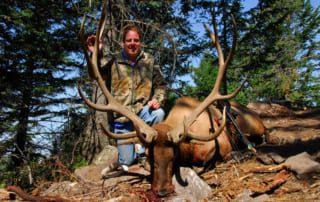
[(90, 173), (6, 195), (65, 188), (270, 158), (109, 155), (190, 187), (269, 109), (264, 158), (303, 165), (137, 169), (244, 196), (262, 198), (259, 107), (276, 157)]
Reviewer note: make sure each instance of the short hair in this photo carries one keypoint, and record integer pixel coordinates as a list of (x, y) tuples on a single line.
[(130, 27)]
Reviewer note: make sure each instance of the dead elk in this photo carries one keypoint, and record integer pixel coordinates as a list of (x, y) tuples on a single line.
[(187, 136)]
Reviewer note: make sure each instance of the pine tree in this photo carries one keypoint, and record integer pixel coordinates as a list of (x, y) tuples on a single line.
[(39, 45), (280, 52), (277, 48)]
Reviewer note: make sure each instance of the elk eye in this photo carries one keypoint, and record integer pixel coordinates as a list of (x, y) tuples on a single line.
[(180, 136), (144, 136)]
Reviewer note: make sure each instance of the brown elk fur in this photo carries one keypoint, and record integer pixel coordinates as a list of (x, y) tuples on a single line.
[(165, 155), (248, 121)]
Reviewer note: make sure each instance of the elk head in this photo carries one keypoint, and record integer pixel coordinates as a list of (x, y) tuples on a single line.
[(168, 148), (162, 140)]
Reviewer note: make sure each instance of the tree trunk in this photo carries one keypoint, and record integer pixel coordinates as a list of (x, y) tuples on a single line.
[(21, 137), (93, 138)]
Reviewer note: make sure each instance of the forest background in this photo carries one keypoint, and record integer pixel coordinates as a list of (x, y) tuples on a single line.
[(44, 125)]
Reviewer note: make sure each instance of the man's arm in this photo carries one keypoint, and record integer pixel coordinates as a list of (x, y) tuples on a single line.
[(159, 88)]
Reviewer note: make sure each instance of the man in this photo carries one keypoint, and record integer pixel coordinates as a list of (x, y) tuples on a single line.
[(135, 81)]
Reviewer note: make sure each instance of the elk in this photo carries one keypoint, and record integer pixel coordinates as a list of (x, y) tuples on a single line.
[(186, 136)]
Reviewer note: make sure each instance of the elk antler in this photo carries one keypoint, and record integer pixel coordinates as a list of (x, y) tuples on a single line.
[(118, 136), (180, 132), (144, 131), (128, 138)]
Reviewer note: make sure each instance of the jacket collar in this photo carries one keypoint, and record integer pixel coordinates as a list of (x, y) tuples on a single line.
[(124, 57)]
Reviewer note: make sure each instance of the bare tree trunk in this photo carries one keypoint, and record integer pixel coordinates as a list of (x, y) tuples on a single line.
[(94, 139)]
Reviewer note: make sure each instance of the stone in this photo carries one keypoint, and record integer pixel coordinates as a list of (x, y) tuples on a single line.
[(109, 155), (264, 158), (262, 198), (303, 165), (65, 188), (6, 195), (90, 173), (244, 196), (276, 157), (190, 187)]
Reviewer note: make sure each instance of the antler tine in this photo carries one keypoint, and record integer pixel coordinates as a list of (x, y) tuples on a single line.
[(146, 132), (177, 134), (117, 136), (219, 50), (133, 140)]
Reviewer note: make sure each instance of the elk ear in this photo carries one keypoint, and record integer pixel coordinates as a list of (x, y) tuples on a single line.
[(185, 128), (169, 137)]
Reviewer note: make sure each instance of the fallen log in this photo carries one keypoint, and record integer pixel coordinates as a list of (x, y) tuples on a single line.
[(269, 169), (29, 197), (270, 185)]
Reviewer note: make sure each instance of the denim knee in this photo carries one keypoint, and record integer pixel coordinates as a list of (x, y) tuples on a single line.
[(158, 114), (151, 116), (126, 154)]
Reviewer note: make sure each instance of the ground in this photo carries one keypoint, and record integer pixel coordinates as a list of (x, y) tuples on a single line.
[(247, 177), (291, 132)]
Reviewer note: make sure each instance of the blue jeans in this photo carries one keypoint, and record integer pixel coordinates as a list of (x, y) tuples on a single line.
[(127, 154)]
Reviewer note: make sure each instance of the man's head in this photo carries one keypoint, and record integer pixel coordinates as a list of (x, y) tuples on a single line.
[(131, 41)]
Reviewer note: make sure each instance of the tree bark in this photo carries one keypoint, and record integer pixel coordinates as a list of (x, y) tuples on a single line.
[(93, 138)]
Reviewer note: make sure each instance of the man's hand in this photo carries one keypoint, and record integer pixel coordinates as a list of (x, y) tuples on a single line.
[(154, 104), (90, 43)]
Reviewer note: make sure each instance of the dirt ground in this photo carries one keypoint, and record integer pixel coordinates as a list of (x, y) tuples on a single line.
[(290, 133), (249, 177)]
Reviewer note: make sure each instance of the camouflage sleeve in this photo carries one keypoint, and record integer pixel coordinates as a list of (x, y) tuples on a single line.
[(159, 85)]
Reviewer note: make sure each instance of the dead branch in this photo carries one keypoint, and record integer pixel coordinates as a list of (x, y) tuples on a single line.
[(271, 184), (28, 197), (269, 169)]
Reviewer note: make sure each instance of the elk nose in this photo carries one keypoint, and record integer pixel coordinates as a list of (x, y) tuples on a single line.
[(163, 192)]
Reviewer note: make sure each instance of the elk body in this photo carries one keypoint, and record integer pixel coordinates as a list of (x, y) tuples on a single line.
[(187, 136), (166, 157)]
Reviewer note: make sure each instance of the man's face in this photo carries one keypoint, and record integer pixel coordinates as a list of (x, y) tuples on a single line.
[(132, 44)]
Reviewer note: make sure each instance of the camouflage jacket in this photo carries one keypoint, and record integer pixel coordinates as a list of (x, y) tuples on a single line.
[(133, 85)]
